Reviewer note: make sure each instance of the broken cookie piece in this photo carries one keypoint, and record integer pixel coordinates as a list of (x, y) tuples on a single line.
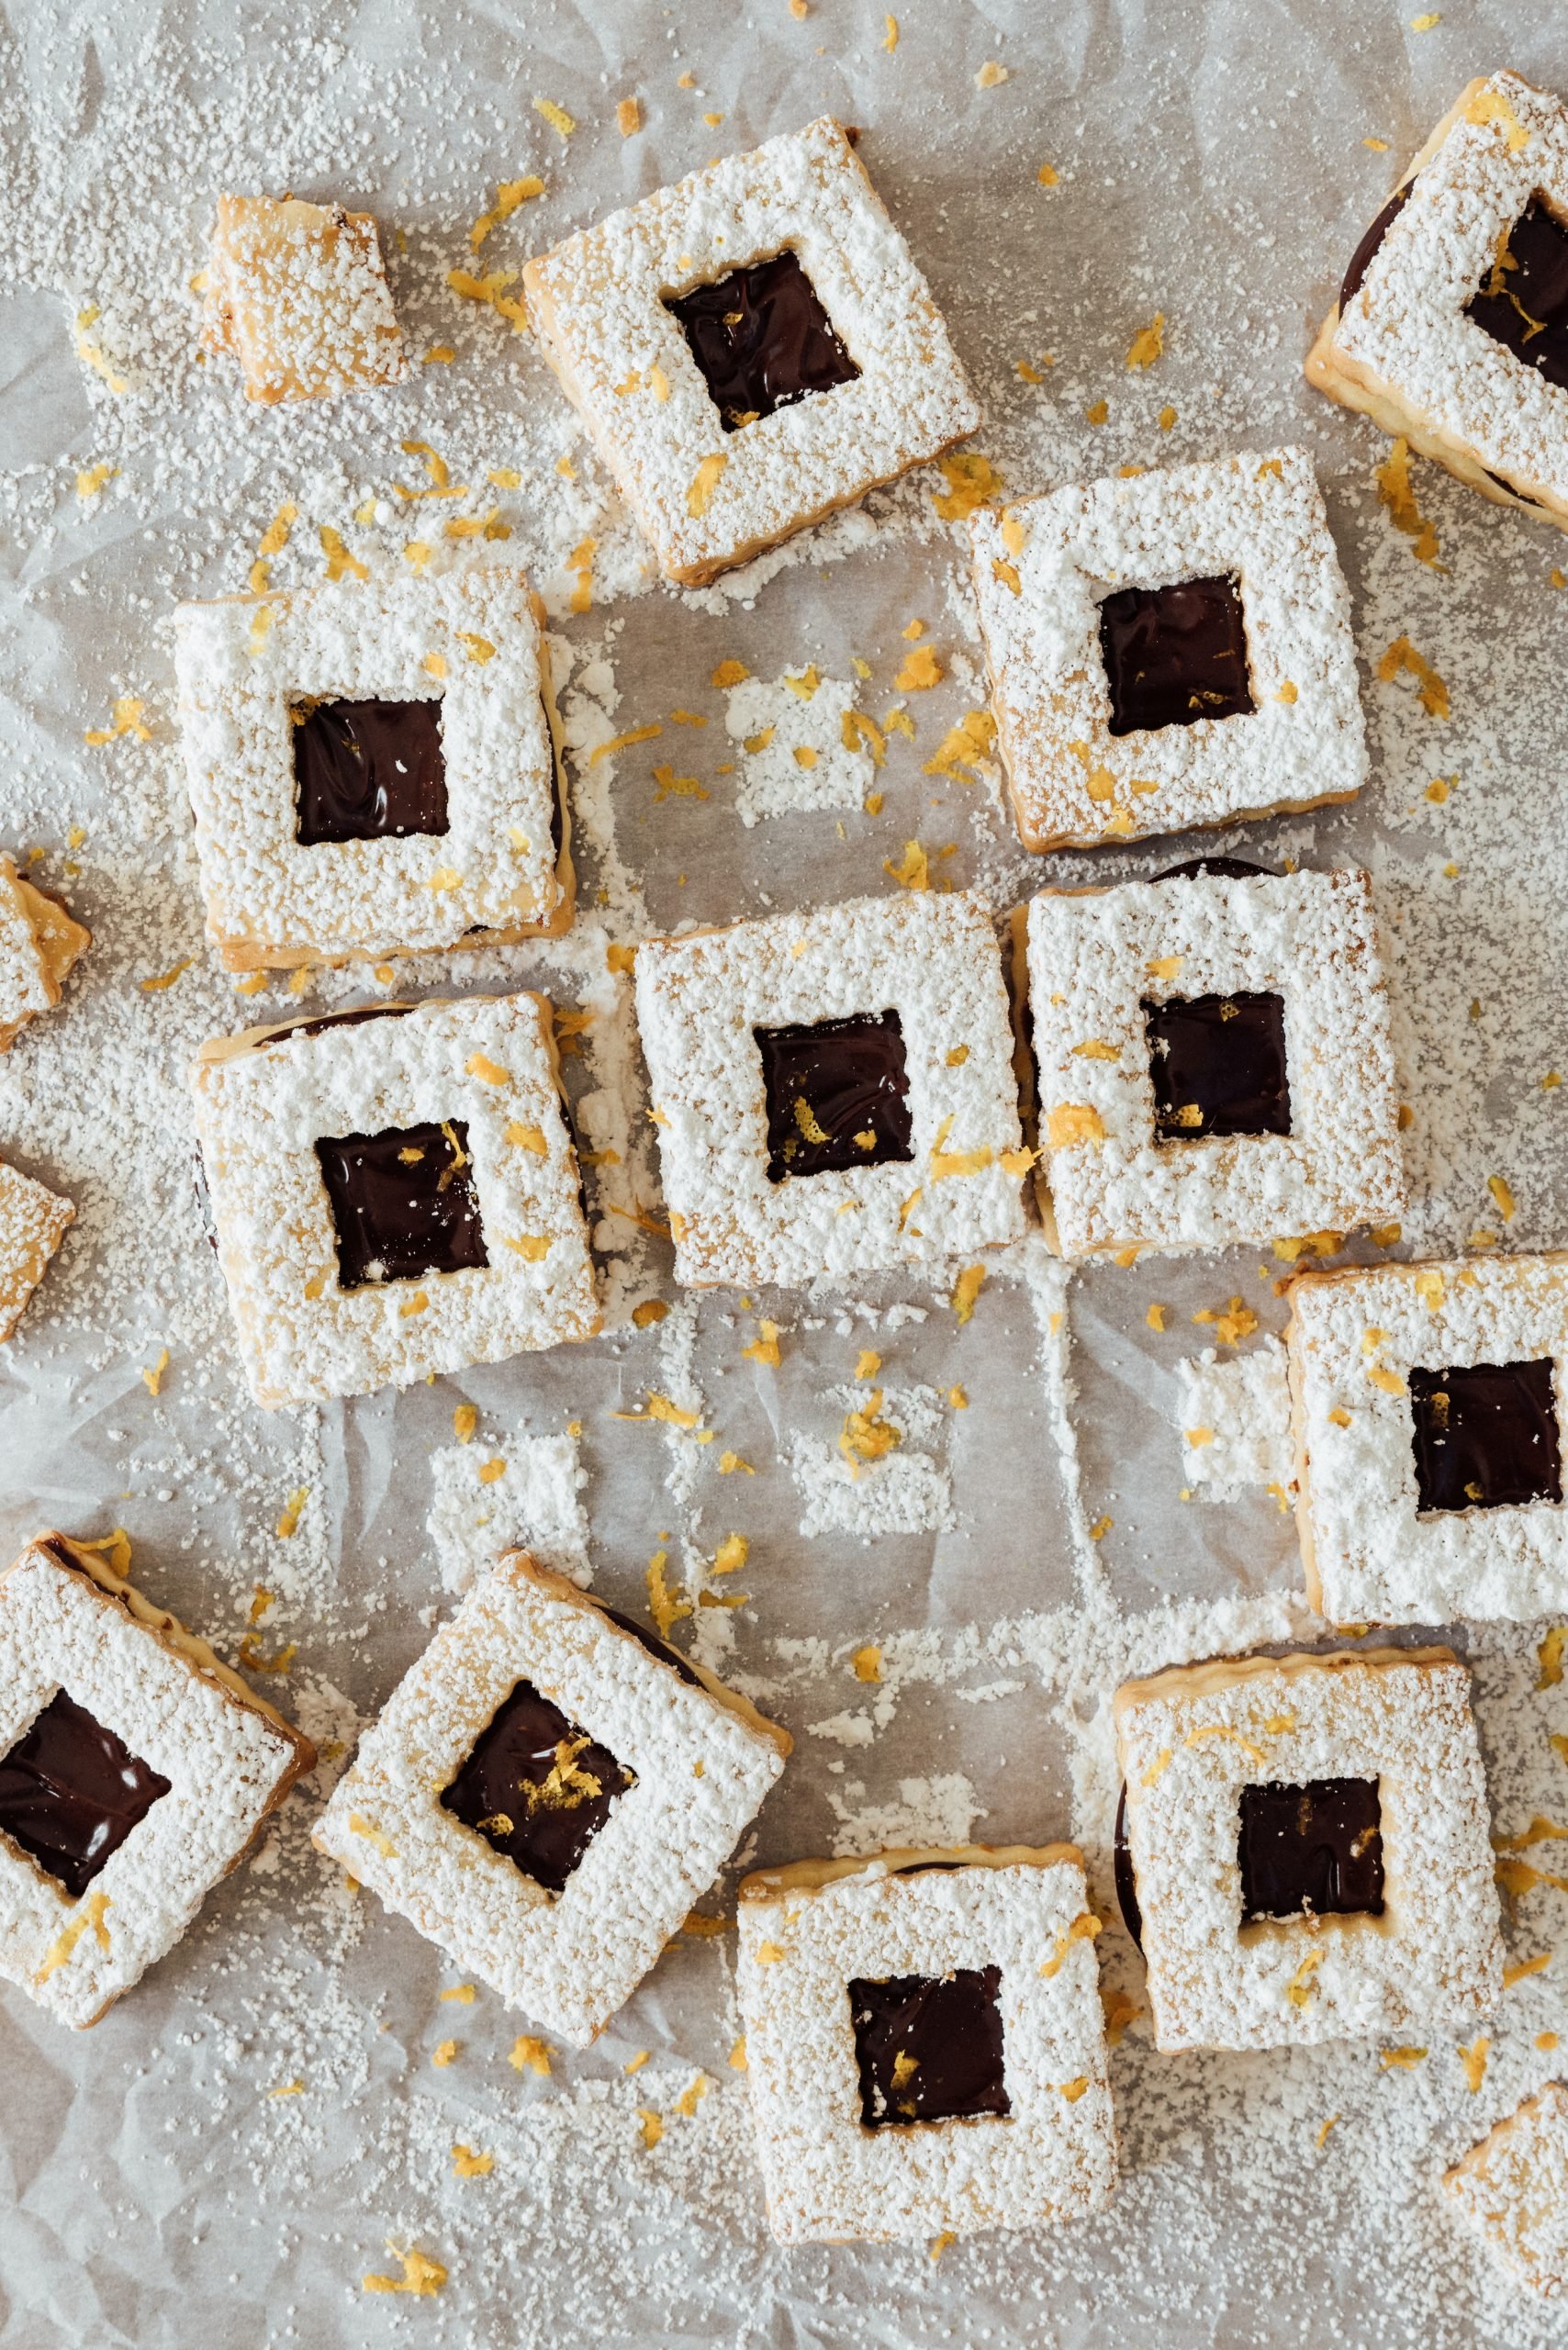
[(296, 291), (1513, 2188), (547, 1793), (135, 1770), (33, 1222), (39, 946)]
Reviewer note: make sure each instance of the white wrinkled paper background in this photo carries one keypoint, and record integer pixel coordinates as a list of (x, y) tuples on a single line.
[(1214, 165)]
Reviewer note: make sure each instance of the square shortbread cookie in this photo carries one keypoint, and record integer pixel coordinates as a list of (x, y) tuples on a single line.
[(750, 350), (834, 1091), (1309, 1848), (297, 293), (1169, 650), (1513, 2187), (1428, 1402), (39, 946), (1451, 328), (135, 1770), (33, 1222), (1213, 1060), (548, 1791), (395, 1192), (373, 769), (925, 2048)]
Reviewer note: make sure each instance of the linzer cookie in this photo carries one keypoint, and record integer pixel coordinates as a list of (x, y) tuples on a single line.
[(925, 2048), (1428, 1404), (832, 1090), (33, 1222), (1212, 1059), (395, 1193), (548, 1791), (1513, 2188), (375, 770), (1303, 1848), (297, 294), (1451, 326), (135, 1769), (39, 946), (1168, 650), (750, 350)]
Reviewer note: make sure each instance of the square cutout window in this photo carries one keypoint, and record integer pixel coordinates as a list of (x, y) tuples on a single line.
[(403, 1202), (929, 2047), (537, 1788), (368, 770), (761, 340), (1485, 1436), (838, 1094), (1522, 302), (71, 1792), (1314, 1850), (1217, 1065), (1175, 655)]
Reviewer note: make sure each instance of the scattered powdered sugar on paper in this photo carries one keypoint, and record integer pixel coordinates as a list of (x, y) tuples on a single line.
[(802, 744), (852, 1486), (1236, 1420), (526, 1497)]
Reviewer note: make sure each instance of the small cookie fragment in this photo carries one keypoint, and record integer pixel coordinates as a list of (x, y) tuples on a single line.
[(296, 291), (375, 770), (1211, 1055), (1451, 326), (33, 1222), (380, 1207), (1513, 2188), (39, 946), (135, 1770), (834, 1089), (1168, 650), (1428, 1404), (548, 1793), (925, 2043), (750, 350), (1303, 1849)]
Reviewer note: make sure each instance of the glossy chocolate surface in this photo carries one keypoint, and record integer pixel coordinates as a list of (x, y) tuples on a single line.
[(71, 1792), (1224, 868), (536, 1788), (1366, 252), (762, 340), (1127, 1877), (368, 770), (1217, 1063), (929, 2047), (1485, 1436), (652, 1643), (1314, 1849), (1175, 655), (1523, 299), (837, 1094), (558, 790), (403, 1202)]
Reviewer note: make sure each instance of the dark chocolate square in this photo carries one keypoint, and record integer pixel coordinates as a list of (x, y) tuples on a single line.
[(537, 1788), (403, 1202), (368, 770), (71, 1792), (929, 2046), (1485, 1436), (1175, 655), (761, 340), (1522, 302), (1217, 1063), (1314, 1850), (838, 1094)]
